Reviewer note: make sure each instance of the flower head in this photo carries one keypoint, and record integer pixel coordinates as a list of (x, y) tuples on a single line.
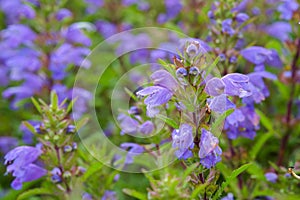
[(183, 140)]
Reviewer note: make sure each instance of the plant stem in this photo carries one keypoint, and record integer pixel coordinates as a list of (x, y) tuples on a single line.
[(288, 117)]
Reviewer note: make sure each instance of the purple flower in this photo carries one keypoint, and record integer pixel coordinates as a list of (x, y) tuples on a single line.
[(63, 14), (287, 9), (173, 8), (109, 195), (159, 94), (7, 143), (241, 6), (236, 85), (20, 162), (15, 10), (279, 30), (73, 34), (228, 197), (210, 152), (94, 5), (56, 175), (105, 28), (86, 196), (147, 127), (257, 86), (215, 87), (133, 150), (241, 17), (183, 140), (220, 104), (127, 124), (15, 35), (242, 122), (259, 55), (271, 177), (226, 27)]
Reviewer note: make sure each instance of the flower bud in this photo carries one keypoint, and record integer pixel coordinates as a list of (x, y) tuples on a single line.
[(194, 71), (67, 174), (71, 129), (192, 50), (222, 57), (181, 72), (56, 178), (74, 146), (133, 110), (67, 148)]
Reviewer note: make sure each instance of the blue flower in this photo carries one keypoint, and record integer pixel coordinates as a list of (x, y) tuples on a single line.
[(20, 162), (210, 152), (271, 177), (241, 17), (62, 14), (279, 30), (159, 94), (109, 195), (260, 55), (228, 197), (287, 9), (133, 150), (146, 128), (183, 140), (7, 143), (226, 27)]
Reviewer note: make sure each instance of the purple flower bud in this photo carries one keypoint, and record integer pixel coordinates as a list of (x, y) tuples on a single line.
[(271, 177), (109, 195), (67, 148), (256, 11), (232, 59), (181, 72), (192, 50), (87, 196), (222, 57), (74, 146), (228, 197), (71, 129), (194, 71), (133, 110)]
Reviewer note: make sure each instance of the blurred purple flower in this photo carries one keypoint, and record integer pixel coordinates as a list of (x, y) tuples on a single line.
[(63, 14), (241, 17), (287, 8), (105, 28), (127, 124), (94, 5), (7, 143), (73, 34), (109, 195), (183, 141), (20, 162), (15, 10), (279, 30), (210, 152), (147, 127), (260, 55), (271, 177), (226, 27), (228, 197), (86, 196), (133, 150)]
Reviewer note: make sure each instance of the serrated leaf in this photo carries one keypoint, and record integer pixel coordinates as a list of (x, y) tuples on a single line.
[(135, 194), (230, 178), (168, 121), (34, 192)]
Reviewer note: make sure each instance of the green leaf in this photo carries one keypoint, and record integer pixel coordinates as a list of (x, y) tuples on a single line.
[(215, 126), (34, 192), (29, 126), (264, 120), (135, 194), (230, 178), (36, 105), (168, 121), (197, 190), (260, 141), (80, 123), (131, 94), (211, 67), (70, 106), (95, 167), (54, 100)]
